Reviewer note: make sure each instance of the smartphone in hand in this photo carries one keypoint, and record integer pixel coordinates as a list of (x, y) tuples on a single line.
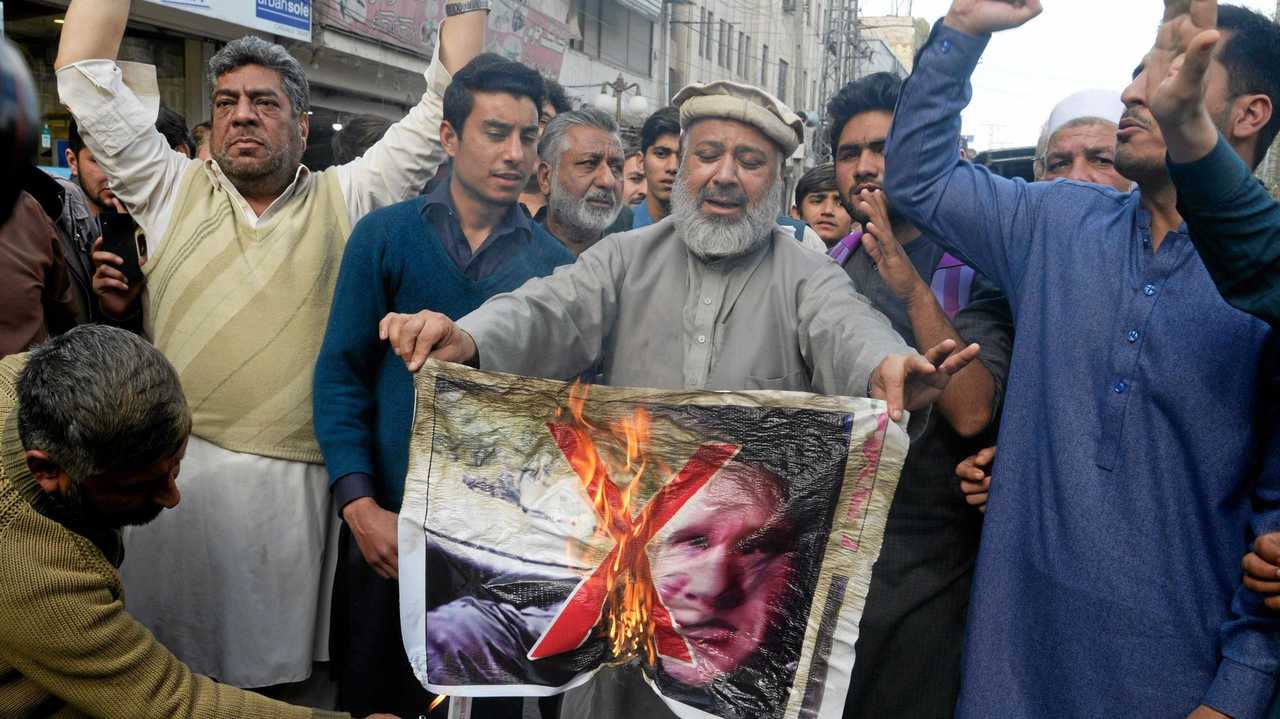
[(120, 237)]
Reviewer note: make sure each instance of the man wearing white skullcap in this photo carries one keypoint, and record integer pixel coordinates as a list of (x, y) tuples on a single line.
[(1079, 140), (715, 296)]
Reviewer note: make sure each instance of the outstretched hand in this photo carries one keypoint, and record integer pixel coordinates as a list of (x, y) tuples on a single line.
[(1176, 69), (913, 382), (983, 17), (426, 335)]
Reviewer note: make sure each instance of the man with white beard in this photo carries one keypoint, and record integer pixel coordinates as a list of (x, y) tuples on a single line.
[(715, 296), (581, 174)]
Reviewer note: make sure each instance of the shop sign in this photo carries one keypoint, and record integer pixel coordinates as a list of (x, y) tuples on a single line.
[(517, 29), (290, 18)]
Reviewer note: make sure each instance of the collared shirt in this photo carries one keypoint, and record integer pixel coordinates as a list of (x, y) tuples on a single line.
[(115, 104), (513, 231), (1235, 226), (641, 216), (1131, 468)]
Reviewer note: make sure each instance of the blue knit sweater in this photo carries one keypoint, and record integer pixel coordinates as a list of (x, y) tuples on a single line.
[(363, 398)]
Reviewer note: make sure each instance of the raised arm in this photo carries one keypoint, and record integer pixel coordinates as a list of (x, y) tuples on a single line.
[(398, 166), (969, 400), (1235, 226), (1233, 222), (92, 30), (115, 106), (983, 218)]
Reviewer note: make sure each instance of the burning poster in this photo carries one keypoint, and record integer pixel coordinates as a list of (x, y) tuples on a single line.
[(720, 541)]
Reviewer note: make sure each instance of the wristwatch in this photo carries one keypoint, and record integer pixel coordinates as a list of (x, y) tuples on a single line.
[(463, 6)]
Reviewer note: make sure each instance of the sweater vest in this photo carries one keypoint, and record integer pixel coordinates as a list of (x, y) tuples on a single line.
[(240, 311)]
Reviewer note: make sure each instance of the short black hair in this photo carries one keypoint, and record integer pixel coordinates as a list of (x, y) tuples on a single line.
[(878, 91), (170, 124), (358, 134), (75, 143), (490, 72), (819, 179), (556, 97), (173, 126), (1251, 56), (662, 122)]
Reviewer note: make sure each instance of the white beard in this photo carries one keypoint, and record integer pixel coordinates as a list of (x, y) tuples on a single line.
[(571, 211), (713, 238)]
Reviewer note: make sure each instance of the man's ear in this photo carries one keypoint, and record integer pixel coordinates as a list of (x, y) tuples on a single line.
[(71, 161), (795, 213), (544, 177), (449, 138), (304, 125), (1249, 117), (51, 477)]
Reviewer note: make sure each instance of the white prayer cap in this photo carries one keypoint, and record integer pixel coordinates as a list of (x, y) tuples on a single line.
[(1102, 104)]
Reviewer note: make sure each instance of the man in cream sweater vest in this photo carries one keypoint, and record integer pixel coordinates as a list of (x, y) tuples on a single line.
[(244, 255)]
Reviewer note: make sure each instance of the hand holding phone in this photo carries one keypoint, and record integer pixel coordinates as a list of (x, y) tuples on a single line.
[(120, 238)]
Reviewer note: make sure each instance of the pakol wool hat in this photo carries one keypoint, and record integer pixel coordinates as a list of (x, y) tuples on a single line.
[(744, 103)]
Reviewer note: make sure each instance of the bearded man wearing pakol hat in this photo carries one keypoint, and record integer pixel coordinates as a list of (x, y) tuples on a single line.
[(715, 296)]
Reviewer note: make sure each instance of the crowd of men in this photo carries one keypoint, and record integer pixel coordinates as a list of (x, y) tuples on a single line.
[(1087, 523)]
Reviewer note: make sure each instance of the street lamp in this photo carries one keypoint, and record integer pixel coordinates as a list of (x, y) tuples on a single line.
[(620, 88)]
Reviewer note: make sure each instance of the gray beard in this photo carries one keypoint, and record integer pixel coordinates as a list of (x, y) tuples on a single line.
[(713, 238), (568, 210)]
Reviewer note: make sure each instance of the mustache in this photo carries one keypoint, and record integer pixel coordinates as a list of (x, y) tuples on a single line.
[(233, 137), (730, 194), (600, 195), (1132, 115)]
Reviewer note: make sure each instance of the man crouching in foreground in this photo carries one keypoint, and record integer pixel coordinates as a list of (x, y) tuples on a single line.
[(88, 446)]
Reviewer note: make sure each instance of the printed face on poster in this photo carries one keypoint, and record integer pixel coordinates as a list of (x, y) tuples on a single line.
[(289, 18)]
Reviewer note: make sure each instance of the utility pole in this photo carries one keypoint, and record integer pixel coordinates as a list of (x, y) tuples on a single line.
[(841, 62)]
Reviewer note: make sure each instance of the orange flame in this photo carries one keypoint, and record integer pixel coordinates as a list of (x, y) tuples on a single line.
[(436, 702), (628, 611)]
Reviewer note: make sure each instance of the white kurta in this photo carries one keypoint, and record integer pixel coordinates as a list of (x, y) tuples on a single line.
[(252, 546)]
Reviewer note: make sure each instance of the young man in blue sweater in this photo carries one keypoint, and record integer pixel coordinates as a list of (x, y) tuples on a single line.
[(449, 250)]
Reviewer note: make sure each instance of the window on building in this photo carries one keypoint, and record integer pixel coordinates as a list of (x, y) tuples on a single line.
[(723, 47), (710, 30), (742, 52), (616, 34), (783, 69), (728, 53), (702, 33), (764, 65)]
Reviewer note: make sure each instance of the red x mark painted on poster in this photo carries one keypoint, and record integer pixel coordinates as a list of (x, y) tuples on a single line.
[(582, 611)]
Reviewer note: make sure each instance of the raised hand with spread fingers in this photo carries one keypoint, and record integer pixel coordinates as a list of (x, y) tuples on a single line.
[(1176, 71)]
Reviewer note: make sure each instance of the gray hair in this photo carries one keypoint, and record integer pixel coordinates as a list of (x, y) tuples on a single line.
[(554, 136), (98, 399), (253, 50)]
